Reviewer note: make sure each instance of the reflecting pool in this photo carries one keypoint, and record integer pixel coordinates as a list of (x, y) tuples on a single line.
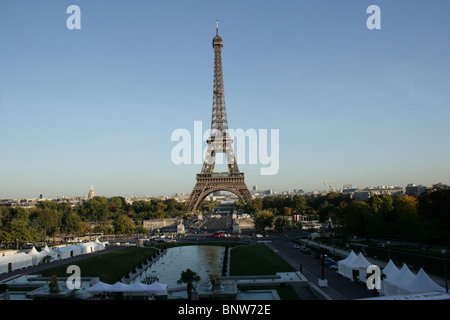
[(203, 260)]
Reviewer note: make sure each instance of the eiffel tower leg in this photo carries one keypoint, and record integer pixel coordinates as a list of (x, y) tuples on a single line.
[(208, 185)]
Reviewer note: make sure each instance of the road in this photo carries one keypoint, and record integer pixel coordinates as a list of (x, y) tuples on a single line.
[(339, 288)]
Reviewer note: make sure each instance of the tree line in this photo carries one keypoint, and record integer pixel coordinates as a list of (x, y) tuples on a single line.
[(100, 214), (423, 219)]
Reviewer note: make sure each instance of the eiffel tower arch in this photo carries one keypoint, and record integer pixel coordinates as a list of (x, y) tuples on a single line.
[(209, 181)]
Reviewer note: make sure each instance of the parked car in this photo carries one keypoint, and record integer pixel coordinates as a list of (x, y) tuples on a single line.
[(330, 263), (333, 266), (305, 249)]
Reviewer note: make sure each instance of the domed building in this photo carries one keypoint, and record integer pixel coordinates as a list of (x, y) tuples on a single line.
[(91, 194)]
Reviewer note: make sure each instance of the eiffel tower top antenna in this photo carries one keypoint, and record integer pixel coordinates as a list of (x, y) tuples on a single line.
[(217, 27)]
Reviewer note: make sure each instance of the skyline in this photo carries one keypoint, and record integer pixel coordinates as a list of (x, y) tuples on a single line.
[(97, 106)]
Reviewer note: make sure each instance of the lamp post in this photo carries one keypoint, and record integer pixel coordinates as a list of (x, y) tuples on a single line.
[(323, 282), (323, 266), (389, 249), (445, 269)]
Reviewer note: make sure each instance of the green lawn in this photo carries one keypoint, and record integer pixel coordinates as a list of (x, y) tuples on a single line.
[(109, 267), (256, 260)]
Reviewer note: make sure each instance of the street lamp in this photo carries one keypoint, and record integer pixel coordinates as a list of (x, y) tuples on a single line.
[(323, 266), (389, 249), (445, 269)]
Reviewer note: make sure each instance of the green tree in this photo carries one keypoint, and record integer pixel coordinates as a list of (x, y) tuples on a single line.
[(171, 206), (20, 214), (17, 226), (287, 211), (406, 214), (20, 230), (161, 210), (71, 222), (383, 217), (356, 219), (47, 219), (58, 206), (189, 277), (435, 204), (300, 204), (141, 229), (5, 215), (117, 205), (263, 219), (123, 225), (280, 223), (142, 206), (95, 209), (382, 203), (249, 208)]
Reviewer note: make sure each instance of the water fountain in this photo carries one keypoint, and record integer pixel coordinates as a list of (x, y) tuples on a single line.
[(54, 290), (215, 289)]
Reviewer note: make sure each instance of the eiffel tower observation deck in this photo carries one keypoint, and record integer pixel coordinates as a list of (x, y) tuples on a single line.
[(208, 180)]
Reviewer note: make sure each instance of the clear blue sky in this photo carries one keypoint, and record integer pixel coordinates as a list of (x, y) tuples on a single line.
[(98, 105)]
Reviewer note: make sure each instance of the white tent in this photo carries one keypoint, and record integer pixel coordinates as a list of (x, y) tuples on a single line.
[(36, 256), (88, 247), (157, 288), (4, 264), (360, 264), (46, 249), (15, 261), (343, 268), (391, 286), (137, 287), (99, 287), (421, 283), (33, 251), (118, 287), (100, 245), (68, 251), (390, 271)]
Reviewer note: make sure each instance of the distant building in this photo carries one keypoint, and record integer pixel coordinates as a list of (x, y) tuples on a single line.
[(415, 190), (361, 195), (91, 194), (366, 193)]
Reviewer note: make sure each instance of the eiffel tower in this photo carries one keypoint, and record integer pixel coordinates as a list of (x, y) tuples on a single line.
[(208, 180)]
